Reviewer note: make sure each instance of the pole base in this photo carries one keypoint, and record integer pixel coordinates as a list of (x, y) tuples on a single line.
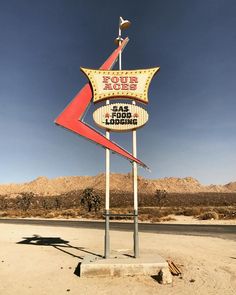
[(136, 237), (107, 235)]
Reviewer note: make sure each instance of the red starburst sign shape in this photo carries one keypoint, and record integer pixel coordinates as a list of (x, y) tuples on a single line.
[(72, 116)]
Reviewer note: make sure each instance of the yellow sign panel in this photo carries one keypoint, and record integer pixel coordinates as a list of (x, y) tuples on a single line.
[(132, 84), (120, 117)]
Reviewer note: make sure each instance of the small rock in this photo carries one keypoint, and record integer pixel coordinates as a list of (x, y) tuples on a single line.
[(68, 290), (192, 281), (165, 276)]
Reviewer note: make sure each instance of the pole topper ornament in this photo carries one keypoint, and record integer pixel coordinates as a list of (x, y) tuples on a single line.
[(104, 84)]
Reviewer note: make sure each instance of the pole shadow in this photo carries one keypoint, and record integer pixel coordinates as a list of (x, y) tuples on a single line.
[(57, 243)]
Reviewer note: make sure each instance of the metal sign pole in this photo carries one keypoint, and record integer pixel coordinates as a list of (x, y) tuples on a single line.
[(135, 190), (134, 168), (107, 200)]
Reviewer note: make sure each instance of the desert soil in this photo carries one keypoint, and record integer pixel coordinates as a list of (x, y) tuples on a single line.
[(208, 264), (181, 219)]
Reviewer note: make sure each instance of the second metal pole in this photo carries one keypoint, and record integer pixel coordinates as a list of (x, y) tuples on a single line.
[(135, 190), (107, 200)]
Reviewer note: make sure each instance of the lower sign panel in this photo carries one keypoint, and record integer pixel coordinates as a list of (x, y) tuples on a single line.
[(120, 117)]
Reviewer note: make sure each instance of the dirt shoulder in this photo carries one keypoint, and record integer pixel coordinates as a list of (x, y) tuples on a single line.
[(172, 219), (208, 264), (181, 219)]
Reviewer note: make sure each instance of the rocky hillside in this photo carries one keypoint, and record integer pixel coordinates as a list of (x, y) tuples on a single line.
[(119, 183), (231, 186)]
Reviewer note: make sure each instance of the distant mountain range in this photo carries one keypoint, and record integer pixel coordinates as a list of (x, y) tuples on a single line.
[(118, 183)]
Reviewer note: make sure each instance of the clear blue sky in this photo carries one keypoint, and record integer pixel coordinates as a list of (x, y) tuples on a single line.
[(192, 126)]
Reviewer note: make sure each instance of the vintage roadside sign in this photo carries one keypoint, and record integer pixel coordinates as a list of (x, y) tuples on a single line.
[(120, 117), (132, 84), (112, 115)]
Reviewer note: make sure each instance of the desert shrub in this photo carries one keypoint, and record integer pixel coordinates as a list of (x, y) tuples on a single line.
[(69, 213), (190, 199), (58, 203), (157, 212), (208, 215), (3, 214), (3, 202), (22, 214), (92, 215), (37, 212), (194, 211), (166, 211), (160, 196), (145, 217), (149, 210), (24, 201), (155, 219), (168, 218), (90, 200), (45, 204), (226, 212), (230, 215), (49, 215)]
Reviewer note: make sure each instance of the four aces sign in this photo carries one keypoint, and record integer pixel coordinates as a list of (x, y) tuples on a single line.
[(116, 85), (120, 84), (108, 84)]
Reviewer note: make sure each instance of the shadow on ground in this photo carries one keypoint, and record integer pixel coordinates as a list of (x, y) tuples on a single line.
[(57, 243)]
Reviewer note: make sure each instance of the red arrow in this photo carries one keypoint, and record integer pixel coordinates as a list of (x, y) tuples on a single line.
[(71, 117)]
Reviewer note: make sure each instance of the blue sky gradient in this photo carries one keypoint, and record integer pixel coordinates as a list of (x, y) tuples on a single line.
[(191, 131)]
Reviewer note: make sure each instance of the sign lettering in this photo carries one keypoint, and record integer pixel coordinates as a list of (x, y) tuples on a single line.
[(132, 84), (120, 117)]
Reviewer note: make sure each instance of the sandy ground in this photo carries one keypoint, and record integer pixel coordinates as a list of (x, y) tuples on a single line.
[(181, 219), (208, 264)]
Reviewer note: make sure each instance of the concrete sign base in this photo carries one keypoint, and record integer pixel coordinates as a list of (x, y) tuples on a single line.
[(123, 265)]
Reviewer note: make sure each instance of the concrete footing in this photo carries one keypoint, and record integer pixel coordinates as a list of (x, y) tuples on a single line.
[(125, 265)]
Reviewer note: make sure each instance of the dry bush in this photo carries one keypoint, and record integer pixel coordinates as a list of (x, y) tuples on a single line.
[(90, 199), (69, 213), (226, 212), (92, 215), (121, 199), (154, 211), (4, 202), (146, 217), (193, 211), (208, 215), (224, 204), (50, 215), (160, 196), (168, 218), (38, 213), (155, 219), (24, 201), (3, 214), (149, 210)]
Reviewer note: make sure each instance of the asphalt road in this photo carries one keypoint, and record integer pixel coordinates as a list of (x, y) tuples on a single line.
[(220, 231)]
